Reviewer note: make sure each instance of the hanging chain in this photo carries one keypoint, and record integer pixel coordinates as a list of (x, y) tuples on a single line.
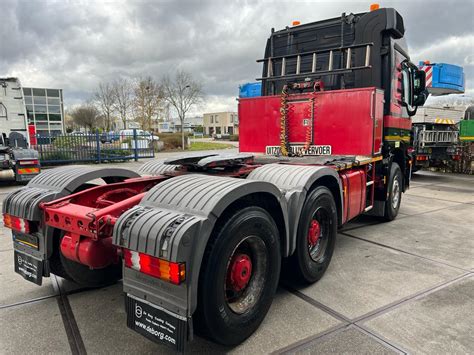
[(284, 144)]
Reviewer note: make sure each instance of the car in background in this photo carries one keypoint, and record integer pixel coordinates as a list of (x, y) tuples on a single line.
[(141, 134), (109, 137)]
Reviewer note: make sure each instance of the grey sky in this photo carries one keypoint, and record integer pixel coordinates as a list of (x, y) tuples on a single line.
[(74, 45)]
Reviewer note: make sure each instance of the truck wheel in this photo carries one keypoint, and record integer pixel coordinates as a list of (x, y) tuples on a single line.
[(55, 264), (392, 205), (239, 277), (87, 277), (317, 230)]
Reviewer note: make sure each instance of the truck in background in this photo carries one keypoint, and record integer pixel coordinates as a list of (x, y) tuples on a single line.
[(466, 137), (436, 136), (17, 161), (435, 130)]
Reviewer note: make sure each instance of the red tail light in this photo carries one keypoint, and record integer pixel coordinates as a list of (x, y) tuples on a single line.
[(16, 223), (156, 267), (421, 157), (29, 162)]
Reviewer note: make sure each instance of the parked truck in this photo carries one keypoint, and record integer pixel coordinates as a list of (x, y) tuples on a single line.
[(199, 239), (435, 132), (466, 137), (17, 161), (436, 136)]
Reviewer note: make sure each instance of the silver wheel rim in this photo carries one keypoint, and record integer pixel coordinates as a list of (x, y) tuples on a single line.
[(395, 194)]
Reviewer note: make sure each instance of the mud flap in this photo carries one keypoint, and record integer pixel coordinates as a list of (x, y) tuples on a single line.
[(156, 323)]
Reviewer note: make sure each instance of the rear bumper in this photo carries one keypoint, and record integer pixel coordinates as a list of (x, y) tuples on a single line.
[(26, 173)]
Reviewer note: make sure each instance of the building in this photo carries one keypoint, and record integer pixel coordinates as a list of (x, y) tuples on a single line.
[(45, 110), (221, 123), (190, 124), (12, 107)]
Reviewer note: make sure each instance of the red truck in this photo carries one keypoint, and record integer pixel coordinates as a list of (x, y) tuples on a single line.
[(199, 240)]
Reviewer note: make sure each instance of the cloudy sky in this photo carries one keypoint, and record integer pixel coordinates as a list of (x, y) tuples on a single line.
[(74, 45)]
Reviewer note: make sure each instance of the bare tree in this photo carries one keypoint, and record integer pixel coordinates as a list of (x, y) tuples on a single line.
[(123, 91), (85, 116), (105, 98), (147, 101), (182, 92)]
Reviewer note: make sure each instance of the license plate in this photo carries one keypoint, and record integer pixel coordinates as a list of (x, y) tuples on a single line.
[(30, 268), (156, 324), (299, 150), (25, 177)]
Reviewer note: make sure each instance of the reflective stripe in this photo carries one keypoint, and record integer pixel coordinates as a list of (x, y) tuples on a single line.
[(397, 138), (28, 171)]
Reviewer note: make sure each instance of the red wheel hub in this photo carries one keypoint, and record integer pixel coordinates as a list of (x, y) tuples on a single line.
[(239, 272), (314, 233)]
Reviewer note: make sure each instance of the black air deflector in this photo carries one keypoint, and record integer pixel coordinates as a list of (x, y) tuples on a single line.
[(347, 30)]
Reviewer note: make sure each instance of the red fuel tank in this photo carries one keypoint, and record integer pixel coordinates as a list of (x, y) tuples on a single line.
[(96, 254)]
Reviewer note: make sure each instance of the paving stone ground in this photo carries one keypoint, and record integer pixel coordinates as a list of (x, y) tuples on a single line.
[(401, 287)]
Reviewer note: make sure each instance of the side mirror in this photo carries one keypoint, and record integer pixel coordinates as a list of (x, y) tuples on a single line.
[(420, 93), (414, 87)]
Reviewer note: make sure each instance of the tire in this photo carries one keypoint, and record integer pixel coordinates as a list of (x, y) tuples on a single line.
[(392, 205), (55, 264), (225, 312), (87, 277), (316, 238)]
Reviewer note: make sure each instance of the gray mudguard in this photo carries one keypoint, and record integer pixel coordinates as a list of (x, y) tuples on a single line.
[(157, 167), (174, 222), (294, 181), (52, 184)]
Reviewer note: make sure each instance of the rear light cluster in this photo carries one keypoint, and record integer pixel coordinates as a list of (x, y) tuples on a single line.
[(29, 162), (159, 268), (421, 157), (16, 223)]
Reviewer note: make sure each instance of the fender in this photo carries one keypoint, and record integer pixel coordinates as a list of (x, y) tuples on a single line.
[(294, 182), (174, 222), (157, 167), (52, 184)]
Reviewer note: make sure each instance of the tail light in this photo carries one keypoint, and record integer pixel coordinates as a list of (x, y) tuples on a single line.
[(421, 157), (456, 157), (16, 223), (29, 162), (156, 267)]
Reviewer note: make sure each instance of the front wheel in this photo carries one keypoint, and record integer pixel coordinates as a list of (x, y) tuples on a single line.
[(316, 239), (239, 277), (392, 205)]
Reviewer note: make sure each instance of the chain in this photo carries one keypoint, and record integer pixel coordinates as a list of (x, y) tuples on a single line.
[(284, 144)]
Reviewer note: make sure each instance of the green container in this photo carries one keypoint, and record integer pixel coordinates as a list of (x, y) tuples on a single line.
[(466, 131)]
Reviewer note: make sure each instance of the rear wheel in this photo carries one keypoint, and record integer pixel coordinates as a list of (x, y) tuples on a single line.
[(392, 205), (316, 238), (239, 277)]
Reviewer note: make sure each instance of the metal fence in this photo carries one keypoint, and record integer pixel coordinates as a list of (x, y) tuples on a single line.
[(94, 147)]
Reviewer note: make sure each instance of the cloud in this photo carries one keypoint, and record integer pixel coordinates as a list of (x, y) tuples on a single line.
[(77, 44)]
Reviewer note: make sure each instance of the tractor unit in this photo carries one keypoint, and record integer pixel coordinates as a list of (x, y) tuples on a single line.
[(200, 239)]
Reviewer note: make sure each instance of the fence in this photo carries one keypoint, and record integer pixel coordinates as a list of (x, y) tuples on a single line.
[(95, 147)]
